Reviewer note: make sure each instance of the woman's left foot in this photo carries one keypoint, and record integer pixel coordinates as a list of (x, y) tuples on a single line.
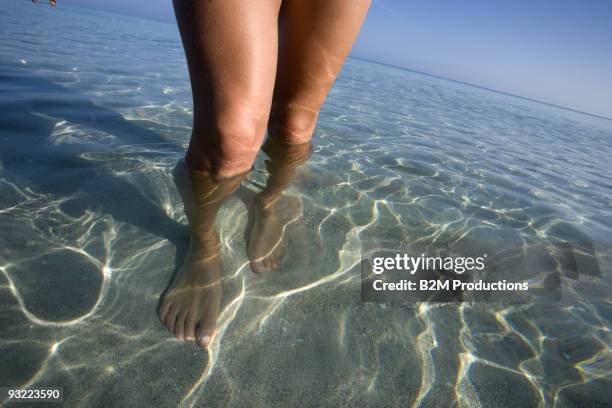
[(265, 244)]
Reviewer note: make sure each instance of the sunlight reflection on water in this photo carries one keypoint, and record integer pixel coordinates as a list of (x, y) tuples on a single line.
[(96, 112)]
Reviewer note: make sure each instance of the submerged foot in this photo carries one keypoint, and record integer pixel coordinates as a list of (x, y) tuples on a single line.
[(190, 307), (265, 244)]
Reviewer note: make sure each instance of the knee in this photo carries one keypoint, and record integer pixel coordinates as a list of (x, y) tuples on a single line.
[(231, 143), (293, 124)]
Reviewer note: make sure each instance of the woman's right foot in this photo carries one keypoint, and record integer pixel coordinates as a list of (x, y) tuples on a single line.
[(190, 307)]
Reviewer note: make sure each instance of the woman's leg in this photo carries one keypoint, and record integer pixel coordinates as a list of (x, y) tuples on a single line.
[(231, 49), (265, 238), (315, 38)]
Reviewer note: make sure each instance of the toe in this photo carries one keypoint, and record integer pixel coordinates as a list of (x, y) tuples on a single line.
[(190, 327), (206, 330), (163, 311), (179, 328), (170, 319), (205, 337), (256, 267)]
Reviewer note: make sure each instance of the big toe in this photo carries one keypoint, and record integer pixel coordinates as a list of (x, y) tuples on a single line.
[(206, 329), (205, 336), (258, 266)]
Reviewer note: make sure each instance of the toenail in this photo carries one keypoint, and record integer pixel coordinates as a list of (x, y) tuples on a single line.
[(204, 340)]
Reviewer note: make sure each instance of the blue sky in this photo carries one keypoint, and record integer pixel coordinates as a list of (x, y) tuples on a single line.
[(558, 51)]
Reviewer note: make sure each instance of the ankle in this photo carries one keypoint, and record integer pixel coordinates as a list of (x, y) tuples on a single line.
[(266, 203), (206, 237)]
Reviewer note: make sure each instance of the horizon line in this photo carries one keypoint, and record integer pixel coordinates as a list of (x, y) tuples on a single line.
[(482, 87), (173, 22)]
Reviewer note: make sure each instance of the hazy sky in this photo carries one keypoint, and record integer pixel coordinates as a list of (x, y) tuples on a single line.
[(554, 51)]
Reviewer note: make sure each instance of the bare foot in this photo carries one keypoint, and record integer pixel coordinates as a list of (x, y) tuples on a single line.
[(266, 236), (190, 307)]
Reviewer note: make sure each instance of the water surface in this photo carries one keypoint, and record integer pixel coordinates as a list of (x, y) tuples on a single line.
[(95, 110)]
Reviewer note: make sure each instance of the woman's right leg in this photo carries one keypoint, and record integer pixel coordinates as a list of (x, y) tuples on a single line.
[(231, 49)]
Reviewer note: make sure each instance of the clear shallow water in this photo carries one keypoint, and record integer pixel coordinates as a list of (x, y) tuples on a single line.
[(95, 112)]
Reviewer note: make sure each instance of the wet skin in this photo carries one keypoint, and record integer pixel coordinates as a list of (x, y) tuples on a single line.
[(254, 65)]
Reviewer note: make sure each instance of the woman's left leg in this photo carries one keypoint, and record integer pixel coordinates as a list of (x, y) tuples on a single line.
[(315, 38)]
